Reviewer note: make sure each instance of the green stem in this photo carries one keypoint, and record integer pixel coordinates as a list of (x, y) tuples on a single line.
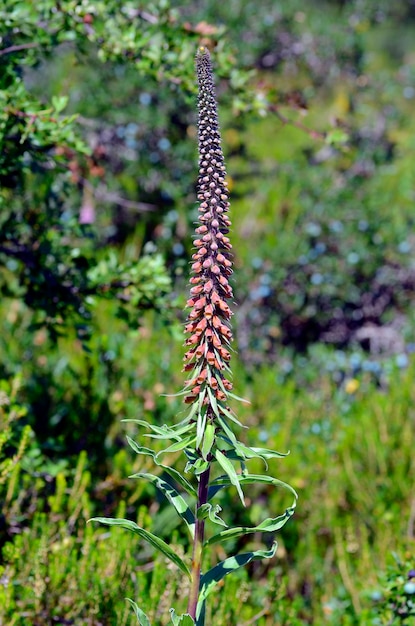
[(202, 497)]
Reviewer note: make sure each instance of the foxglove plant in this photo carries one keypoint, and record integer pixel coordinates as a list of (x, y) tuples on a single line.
[(206, 435)]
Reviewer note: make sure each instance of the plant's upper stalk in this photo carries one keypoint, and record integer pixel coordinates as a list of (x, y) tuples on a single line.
[(208, 320)]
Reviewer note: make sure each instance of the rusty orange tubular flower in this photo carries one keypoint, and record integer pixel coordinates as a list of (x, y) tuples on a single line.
[(208, 323)]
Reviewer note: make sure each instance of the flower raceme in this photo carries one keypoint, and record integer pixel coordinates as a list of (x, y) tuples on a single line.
[(206, 434), (208, 322)]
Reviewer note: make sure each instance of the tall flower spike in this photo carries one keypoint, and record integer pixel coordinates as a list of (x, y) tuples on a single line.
[(208, 321)]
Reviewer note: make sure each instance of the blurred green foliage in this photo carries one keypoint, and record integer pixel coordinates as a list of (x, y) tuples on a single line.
[(97, 174)]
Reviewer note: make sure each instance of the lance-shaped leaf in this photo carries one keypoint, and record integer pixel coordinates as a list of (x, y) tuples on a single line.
[(166, 432), (155, 541), (177, 446), (141, 616), (213, 402), (209, 580), (165, 428), (208, 440), (174, 498), (270, 525), (228, 431), (181, 620), (200, 427), (230, 471), (170, 470), (242, 452), (248, 479), (232, 395), (228, 413)]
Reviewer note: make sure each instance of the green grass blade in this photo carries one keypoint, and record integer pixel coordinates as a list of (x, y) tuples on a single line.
[(153, 540)]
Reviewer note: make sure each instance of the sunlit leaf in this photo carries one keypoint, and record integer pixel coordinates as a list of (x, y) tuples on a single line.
[(164, 432), (176, 447), (271, 524), (209, 580), (177, 476), (250, 479), (244, 400), (230, 471), (174, 498), (213, 401), (155, 541), (228, 431), (208, 440), (200, 427)]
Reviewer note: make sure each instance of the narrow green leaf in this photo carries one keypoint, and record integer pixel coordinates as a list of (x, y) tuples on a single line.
[(176, 447), (181, 620), (170, 470), (155, 541), (177, 477), (228, 431), (230, 471), (258, 453), (175, 395), (271, 524), (174, 498), (200, 427), (270, 454), (140, 449), (172, 433), (209, 580), (251, 479), (244, 400), (164, 432), (213, 402), (208, 440), (230, 416), (201, 398), (192, 412), (141, 616)]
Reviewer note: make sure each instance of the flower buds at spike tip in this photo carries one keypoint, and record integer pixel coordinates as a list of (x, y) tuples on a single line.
[(208, 320)]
